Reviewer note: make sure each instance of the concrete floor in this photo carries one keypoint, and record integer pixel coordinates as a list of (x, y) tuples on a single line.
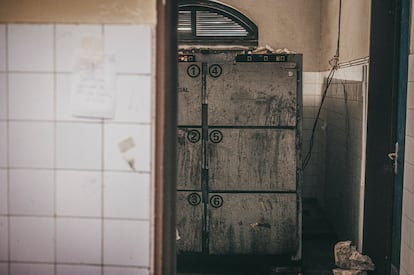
[(318, 242)]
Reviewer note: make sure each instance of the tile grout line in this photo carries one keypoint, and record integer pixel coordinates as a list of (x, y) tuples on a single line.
[(102, 174), (55, 150), (78, 217), (8, 153)]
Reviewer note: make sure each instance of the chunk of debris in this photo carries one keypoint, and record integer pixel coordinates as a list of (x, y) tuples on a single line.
[(342, 252), (361, 262), (339, 271), (347, 257)]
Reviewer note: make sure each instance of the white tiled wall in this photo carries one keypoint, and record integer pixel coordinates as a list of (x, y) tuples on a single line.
[(344, 151), (74, 192), (407, 243), (314, 172), (31, 269)]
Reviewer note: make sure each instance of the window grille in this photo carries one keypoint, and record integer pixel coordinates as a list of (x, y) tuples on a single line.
[(208, 22)]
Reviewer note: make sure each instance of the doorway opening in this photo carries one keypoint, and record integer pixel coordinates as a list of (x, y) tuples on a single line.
[(374, 123)]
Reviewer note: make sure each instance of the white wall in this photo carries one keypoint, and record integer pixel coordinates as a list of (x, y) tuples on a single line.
[(70, 203), (313, 175), (407, 242), (344, 125), (293, 24), (407, 226)]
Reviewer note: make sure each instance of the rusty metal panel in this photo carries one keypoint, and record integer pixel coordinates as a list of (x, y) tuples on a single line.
[(189, 222), (189, 93), (189, 158), (252, 94), (253, 224), (252, 159)]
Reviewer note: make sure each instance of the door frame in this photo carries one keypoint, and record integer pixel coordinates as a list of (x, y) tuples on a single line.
[(385, 84), (404, 49), (384, 72), (163, 258)]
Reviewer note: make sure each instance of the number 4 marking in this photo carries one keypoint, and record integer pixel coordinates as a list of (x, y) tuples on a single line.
[(215, 70)]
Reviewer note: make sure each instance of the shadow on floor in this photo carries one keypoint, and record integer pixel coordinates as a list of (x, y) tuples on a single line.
[(319, 239), (318, 242)]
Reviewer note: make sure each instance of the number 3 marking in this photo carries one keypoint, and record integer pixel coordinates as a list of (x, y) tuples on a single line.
[(194, 199)]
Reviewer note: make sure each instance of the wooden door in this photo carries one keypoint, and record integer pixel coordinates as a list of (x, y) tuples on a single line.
[(381, 133)]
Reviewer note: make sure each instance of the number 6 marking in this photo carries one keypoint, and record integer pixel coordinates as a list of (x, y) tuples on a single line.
[(216, 201)]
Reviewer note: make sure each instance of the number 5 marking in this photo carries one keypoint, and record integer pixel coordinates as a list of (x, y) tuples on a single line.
[(216, 136)]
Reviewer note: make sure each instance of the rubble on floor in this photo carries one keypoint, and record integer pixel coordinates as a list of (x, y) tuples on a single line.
[(338, 271), (349, 261)]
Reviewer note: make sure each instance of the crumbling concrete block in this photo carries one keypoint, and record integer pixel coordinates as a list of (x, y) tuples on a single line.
[(347, 257), (339, 271), (342, 252), (361, 262)]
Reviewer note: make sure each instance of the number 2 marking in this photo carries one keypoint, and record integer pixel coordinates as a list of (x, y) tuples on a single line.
[(193, 136)]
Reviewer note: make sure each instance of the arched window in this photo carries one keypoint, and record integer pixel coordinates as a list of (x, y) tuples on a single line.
[(208, 22)]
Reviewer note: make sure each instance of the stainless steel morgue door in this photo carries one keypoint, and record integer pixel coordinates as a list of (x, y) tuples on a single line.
[(238, 152)]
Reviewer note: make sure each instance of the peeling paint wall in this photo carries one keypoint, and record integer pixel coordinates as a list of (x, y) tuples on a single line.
[(78, 11), (355, 30), (293, 24)]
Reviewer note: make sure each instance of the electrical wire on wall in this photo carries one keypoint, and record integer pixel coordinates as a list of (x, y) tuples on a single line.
[(334, 66)]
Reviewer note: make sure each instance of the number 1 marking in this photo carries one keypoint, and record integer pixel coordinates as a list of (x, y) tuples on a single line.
[(193, 70)]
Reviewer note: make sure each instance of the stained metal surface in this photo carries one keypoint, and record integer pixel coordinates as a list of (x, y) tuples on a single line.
[(189, 224), (253, 159), (238, 158), (188, 159), (189, 93), (254, 223), (254, 94)]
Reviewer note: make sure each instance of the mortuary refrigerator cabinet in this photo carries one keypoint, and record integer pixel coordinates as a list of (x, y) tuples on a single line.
[(239, 168)]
